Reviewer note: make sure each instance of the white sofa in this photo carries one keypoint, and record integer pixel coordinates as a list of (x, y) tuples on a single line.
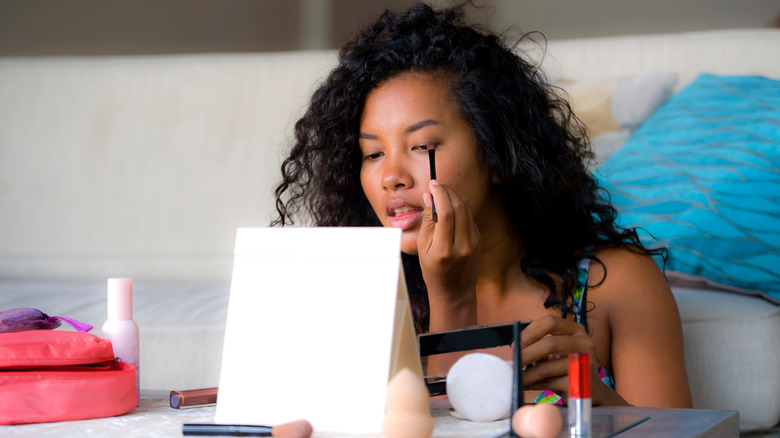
[(144, 167)]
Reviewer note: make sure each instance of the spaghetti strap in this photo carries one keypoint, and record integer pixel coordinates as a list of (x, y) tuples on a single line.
[(580, 300)]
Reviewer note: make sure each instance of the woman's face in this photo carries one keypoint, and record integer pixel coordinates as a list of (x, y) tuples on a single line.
[(400, 117)]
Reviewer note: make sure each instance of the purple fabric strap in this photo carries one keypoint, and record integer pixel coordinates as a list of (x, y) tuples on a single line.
[(25, 318), (82, 327)]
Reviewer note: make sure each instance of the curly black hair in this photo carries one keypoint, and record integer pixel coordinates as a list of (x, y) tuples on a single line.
[(534, 149)]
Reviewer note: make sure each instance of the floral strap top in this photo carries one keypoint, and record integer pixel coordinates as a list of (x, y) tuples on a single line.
[(579, 294)]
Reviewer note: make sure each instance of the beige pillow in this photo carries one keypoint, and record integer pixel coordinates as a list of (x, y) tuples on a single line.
[(592, 103), (616, 104)]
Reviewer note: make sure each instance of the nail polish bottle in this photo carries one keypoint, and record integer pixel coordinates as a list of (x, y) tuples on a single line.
[(120, 328)]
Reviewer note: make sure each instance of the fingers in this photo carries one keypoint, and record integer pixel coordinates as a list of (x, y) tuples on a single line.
[(558, 385), (449, 249), (553, 375), (455, 233), (427, 227), (549, 374), (445, 211), (548, 325), (553, 335), (546, 343)]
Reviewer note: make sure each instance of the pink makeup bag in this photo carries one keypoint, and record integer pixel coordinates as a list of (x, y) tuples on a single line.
[(54, 375)]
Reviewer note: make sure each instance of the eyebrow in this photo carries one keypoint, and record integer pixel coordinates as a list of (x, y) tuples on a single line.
[(417, 126), (422, 124)]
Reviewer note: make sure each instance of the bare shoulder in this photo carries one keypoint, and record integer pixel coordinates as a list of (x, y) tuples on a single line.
[(624, 280), (645, 333)]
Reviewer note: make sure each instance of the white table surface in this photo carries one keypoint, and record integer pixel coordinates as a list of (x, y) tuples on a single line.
[(155, 418)]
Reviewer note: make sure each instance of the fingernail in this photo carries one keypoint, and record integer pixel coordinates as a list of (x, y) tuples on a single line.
[(427, 199), (435, 182)]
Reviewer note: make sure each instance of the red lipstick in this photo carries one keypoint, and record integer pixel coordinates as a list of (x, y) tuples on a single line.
[(579, 395)]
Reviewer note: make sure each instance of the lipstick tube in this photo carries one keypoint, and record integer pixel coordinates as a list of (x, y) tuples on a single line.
[(580, 403), (193, 398)]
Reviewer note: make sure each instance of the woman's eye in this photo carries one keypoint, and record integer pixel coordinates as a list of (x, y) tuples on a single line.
[(371, 157), (421, 147)]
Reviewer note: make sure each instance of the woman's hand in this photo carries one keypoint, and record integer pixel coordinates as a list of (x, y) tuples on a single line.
[(546, 343), (449, 253)]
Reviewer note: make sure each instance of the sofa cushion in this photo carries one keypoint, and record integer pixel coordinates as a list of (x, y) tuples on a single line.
[(732, 354), (702, 174)]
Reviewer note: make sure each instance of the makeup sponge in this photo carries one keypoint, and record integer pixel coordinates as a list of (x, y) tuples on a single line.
[(293, 429), (541, 420), (479, 387), (407, 411)]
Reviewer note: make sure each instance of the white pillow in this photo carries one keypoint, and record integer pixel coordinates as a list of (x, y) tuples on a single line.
[(636, 97)]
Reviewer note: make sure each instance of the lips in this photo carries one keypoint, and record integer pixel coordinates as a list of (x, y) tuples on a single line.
[(401, 214)]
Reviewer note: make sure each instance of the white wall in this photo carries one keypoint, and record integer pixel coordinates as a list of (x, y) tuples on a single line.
[(559, 19), (100, 27)]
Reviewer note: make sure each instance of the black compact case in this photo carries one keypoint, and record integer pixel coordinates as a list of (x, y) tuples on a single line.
[(475, 338), (471, 338)]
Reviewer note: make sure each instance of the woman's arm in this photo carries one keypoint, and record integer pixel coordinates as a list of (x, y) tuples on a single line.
[(647, 358)]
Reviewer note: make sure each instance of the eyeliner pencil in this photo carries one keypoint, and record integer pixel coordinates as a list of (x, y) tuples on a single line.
[(431, 146), (225, 430)]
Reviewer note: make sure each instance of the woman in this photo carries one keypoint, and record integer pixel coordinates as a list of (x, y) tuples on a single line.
[(523, 231)]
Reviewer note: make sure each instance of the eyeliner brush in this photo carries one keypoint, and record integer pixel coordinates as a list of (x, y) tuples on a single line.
[(431, 147)]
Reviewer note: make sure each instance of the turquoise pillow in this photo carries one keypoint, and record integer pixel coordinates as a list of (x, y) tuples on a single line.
[(702, 175)]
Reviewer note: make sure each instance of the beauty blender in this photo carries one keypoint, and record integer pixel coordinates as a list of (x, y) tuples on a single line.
[(541, 420), (479, 387), (407, 410)]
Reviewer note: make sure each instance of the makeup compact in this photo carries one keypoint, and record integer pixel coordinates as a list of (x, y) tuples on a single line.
[(474, 338)]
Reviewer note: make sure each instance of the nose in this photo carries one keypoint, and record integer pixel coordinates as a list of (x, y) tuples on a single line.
[(395, 173)]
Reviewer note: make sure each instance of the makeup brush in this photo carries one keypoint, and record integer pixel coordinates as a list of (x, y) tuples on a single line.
[(431, 147), (293, 429)]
